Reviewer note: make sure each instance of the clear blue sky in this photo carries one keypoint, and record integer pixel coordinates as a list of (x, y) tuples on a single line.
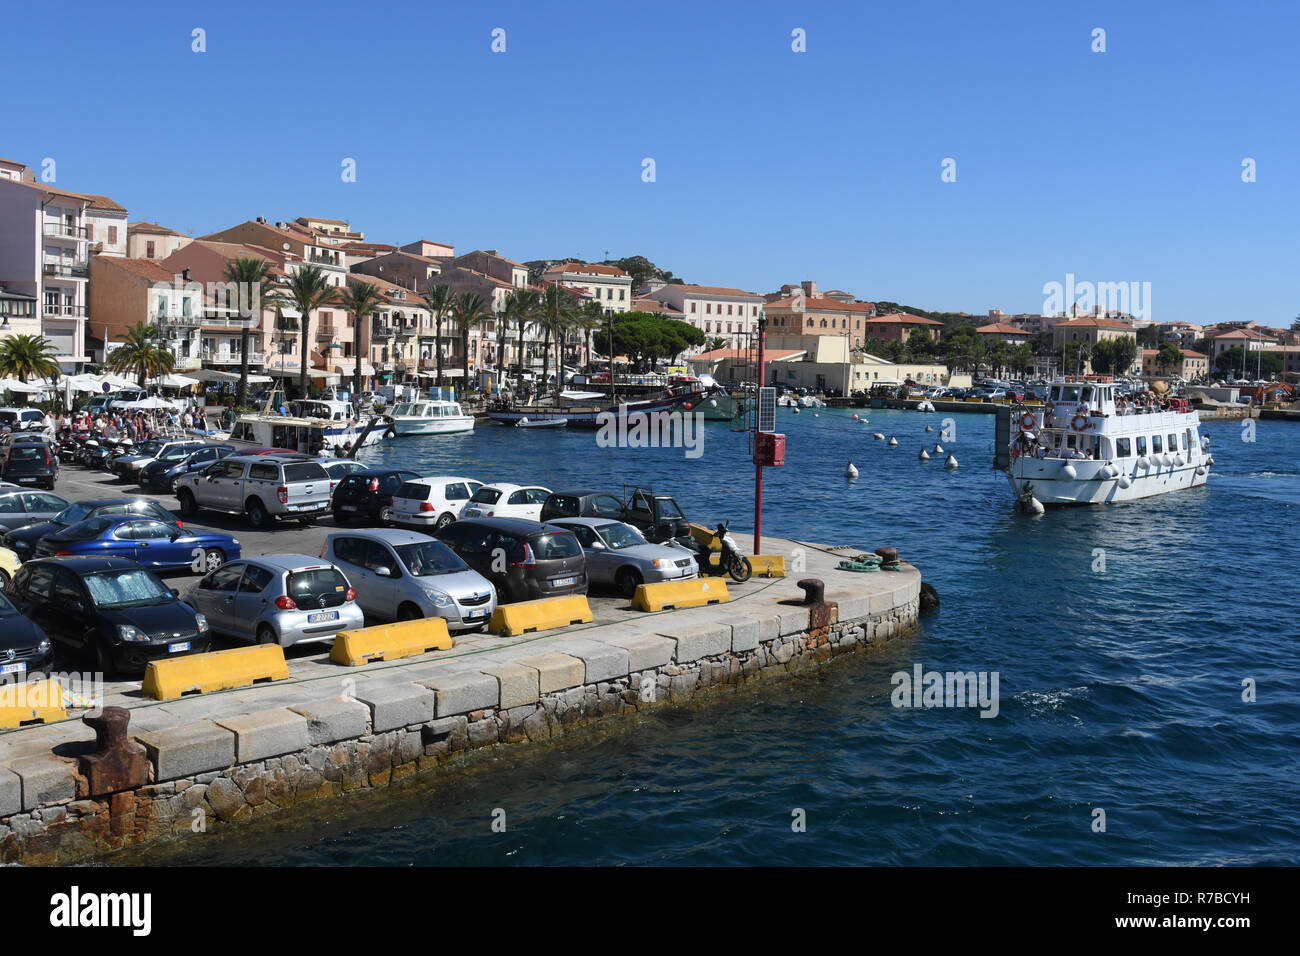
[(772, 166)]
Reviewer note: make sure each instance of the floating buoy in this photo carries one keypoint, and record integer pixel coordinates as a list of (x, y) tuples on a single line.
[(815, 415), (877, 436), (850, 472), (687, 406), (1031, 505), (1069, 473), (1210, 460), (893, 441), (928, 428), (796, 409), (713, 403), (924, 456), (951, 462), (938, 449), (855, 416)]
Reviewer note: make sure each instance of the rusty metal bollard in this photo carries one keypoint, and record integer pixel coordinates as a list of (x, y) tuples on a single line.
[(118, 763), (820, 612)]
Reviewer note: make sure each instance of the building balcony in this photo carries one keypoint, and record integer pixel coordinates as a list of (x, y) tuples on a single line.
[(381, 332), (326, 333), (49, 311), (335, 262), (232, 358), (177, 321), (66, 268), (63, 231)]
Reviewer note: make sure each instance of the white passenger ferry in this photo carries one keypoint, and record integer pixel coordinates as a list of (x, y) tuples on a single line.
[(311, 425), (430, 417), (1088, 446)]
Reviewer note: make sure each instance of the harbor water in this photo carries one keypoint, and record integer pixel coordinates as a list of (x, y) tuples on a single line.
[(1124, 637)]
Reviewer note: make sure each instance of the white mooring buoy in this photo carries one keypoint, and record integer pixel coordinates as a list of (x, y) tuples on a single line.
[(850, 472), (924, 456), (928, 428), (893, 441), (938, 449), (878, 436), (951, 462)]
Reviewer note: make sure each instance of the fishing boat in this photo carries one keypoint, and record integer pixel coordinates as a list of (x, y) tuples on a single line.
[(430, 417), (541, 423), (590, 416), (1088, 446), (309, 426)]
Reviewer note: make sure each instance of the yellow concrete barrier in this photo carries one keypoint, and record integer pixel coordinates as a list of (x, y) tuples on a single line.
[(29, 702), (511, 619), (678, 594), (767, 565), (217, 670), (388, 642), (705, 536)]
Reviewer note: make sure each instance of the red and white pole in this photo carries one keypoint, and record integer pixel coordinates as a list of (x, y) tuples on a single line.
[(758, 468)]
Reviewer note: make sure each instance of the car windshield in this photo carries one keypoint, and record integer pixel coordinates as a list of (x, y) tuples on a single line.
[(71, 514), (429, 557), (668, 508), (618, 535), (148, 448), (176, 454), (126, 588), (6, 609)]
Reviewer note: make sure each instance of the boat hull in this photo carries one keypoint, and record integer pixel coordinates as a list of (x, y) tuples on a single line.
[(432, 426), (585, 417), (1042, 478)]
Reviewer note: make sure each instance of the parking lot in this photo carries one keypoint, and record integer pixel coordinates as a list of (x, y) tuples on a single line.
[(76, 483)]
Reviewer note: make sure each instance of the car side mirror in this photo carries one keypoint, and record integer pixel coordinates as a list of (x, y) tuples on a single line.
[(597, 546), (384, 572), (175, 592)]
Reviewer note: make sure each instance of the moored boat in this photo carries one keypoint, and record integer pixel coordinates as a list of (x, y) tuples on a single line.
[(430, 417), (1087, 446)]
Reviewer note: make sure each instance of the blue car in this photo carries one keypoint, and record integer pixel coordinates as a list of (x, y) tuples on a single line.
[(158, 545)]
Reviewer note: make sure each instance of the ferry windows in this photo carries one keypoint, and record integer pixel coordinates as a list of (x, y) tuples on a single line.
[(1156, 444), (1173, 443), (1142, 444), (1123, 447), (1186, 439)]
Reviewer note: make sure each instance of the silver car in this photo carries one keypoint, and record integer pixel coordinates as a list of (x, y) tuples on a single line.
[(404, 575), (277, 599), (20, 506), (618, 555)]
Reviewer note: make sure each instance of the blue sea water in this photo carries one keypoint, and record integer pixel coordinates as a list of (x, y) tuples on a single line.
[(1121, 689)]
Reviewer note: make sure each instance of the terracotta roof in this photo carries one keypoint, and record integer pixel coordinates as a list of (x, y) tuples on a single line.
[(902, 318), (103, 202), (713, 290), (485, 252), (92, 200), (579, 268), (1001, 328), (13, 162), (653, 305), (1094, 322), (771, 355), (144, 268), (151, 228), (1254, 335), (821, 304), (390, 288), (336, 222)]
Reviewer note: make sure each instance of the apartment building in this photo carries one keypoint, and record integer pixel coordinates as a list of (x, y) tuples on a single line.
[(718, 311), (608, 285), (149, 240), (125, 292)]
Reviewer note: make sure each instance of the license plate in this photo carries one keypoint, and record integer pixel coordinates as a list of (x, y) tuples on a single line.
[(561, 582), (25, 479), (480, 612), (349, 507), (322, 616), (13, 668), (178, 647)]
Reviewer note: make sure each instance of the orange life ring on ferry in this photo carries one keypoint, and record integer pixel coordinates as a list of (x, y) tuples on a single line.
[(1079, 423), (1028, 420)]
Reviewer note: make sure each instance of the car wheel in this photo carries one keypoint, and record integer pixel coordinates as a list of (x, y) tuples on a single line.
[(256, 512), (266, 635), (189, 507), (628, 579), (4, 580), (213, 558), (443, 521), (385, 515), (409, 612)]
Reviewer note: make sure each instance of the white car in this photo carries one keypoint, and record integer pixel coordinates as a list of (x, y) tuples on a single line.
[(432, 502), (506, 501)]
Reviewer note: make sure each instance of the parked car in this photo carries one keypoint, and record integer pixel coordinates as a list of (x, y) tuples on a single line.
[(280, 599), (368, 494), (129, 467), (162, 472), (21, 506), (523, 559), (25, 649), (657, 517), (160, 545), (432, 502), (30, 462), (23, 537), (9, 565), (340, 468), (506, 501), (21, 419), (405, 575), (581, 504), (110, 609), (263, 488), (617, 555)]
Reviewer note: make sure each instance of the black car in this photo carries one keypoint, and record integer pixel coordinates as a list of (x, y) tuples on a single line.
[(657, 517), (368, 494), (523, 559), (31, 463), (161, 473), (581, 504), (22, 540), (25, 650), (109, 609)]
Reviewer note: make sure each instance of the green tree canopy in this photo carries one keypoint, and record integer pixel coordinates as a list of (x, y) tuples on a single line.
[(646, 338)]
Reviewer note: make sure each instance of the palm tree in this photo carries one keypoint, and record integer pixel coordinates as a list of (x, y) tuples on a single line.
[(440, 301), (142, 353), (521, 308), (591, 318), (362, 300), (24, 355), (250, 275), (717, 342), (306, 291), (558, 312), (469, 311)]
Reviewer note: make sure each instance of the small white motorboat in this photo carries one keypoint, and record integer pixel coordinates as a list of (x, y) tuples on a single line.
[(541, 423)]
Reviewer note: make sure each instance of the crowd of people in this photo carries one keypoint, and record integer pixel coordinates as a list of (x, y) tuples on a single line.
[(135, 424)]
